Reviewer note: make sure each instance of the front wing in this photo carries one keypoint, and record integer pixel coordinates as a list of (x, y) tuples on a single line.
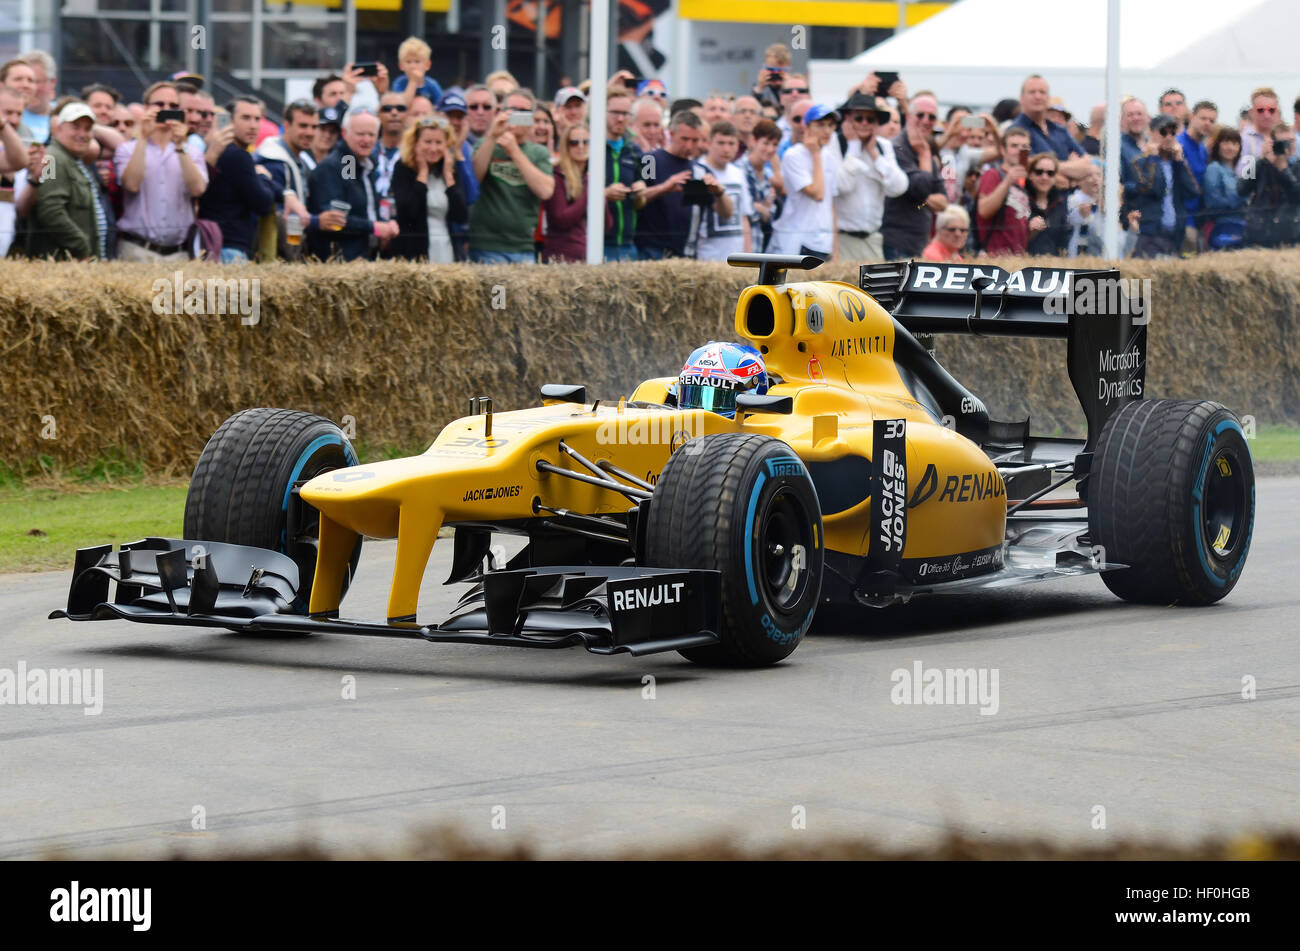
[(606, 609)]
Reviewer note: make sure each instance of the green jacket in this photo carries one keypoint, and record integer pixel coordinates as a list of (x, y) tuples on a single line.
[(64, 220)]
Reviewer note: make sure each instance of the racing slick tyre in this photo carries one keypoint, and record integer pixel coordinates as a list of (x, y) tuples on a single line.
[(241, 490), (1172, 495), (743, 505)]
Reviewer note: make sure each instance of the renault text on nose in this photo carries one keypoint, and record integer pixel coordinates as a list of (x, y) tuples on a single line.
[(649, 596)]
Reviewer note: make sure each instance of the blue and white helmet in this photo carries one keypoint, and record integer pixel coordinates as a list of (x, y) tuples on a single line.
[(716, 373)]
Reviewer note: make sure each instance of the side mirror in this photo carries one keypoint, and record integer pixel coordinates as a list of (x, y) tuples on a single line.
[(564, 392), (753, 403)]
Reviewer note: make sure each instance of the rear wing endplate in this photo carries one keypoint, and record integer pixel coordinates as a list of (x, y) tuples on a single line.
[(1101, 315)]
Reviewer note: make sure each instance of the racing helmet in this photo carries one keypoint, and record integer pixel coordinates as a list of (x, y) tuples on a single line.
[(716, 373)]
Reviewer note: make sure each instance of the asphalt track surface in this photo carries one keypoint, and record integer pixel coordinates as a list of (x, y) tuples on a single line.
[(1138, 710)]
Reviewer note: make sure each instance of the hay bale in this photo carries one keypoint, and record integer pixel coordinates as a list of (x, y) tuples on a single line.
[(401, 346)]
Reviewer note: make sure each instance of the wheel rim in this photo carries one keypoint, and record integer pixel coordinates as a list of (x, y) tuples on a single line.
[(1224, 504), (785, 549), (304, 545)]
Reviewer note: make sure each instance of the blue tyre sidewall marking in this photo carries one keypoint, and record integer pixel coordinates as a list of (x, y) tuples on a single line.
[(329, 439), (749, 537), (1196, 507)]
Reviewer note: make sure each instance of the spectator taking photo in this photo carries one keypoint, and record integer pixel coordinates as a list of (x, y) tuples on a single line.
[(867, 176), (807, 222), (515, 177), (161, 173)]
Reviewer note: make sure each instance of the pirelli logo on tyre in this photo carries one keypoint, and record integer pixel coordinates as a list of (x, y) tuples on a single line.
[(489, 492)]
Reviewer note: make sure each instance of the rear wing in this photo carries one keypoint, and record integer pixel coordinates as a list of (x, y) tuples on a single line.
[(1105, 325)]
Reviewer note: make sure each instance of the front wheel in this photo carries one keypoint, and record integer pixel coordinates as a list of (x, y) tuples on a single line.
[(745, 506), (1172, 495), (242, 488)]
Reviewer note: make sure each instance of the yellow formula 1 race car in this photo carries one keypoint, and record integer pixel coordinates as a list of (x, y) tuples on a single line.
[(864, 474)]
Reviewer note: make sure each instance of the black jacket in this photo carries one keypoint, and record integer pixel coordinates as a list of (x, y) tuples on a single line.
[(411, 197), (906, 224), (1148, 193), (328, 183), (622, 230), (1274, 195), (1055, 238), (236, 197)]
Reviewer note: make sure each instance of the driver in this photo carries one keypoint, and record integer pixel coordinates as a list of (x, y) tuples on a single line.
[(716, 373)]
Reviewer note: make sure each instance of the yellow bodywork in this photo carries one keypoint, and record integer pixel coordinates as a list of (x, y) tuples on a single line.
[(839, 370)]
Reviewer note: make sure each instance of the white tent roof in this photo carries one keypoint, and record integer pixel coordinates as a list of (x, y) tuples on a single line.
[(979, 51)]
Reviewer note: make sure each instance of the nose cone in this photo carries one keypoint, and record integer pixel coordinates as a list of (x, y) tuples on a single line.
[(366, 499)]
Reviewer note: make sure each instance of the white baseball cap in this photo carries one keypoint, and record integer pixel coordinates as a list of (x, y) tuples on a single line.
[(567, 93), (74, 111)]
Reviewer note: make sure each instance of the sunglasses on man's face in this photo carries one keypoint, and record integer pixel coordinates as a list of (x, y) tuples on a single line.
[(579, 143), (125, 124), (1043, 171), (1266, 110), (789, 90), (865, 117), (480, 107), (926, 116), (203, 113), (393, 107)]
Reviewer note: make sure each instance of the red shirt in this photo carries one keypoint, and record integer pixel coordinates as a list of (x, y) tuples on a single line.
[(936, 250), (1007, 232)]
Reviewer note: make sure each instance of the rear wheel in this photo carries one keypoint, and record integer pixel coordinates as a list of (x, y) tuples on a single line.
[(242, 489), (745, 506), (1172, 494)]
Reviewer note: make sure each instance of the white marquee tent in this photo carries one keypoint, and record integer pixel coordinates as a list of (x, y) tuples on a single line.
[(979, 51)]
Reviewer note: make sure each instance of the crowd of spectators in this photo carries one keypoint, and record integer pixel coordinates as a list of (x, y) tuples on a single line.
[(492, 173)]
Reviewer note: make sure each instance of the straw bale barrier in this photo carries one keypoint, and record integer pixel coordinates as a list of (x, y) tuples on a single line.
[(89, 369)]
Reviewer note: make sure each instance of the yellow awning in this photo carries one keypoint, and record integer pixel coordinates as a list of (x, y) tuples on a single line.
[(807, 12), (430, 6)]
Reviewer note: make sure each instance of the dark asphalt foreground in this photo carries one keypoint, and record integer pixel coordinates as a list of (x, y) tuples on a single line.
[(1101, 704)]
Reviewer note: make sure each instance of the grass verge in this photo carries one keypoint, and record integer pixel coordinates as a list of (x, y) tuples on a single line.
[(1274, 443), (43, 526)]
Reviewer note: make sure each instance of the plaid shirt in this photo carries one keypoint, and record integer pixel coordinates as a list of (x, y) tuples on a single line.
[(760, 190)]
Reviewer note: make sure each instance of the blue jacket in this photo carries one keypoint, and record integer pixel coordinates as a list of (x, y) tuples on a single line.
[(1220, 190), (468, 182), (1129, 152), (329, 184), (1149, 192), (429, 89), (1198, 158)]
